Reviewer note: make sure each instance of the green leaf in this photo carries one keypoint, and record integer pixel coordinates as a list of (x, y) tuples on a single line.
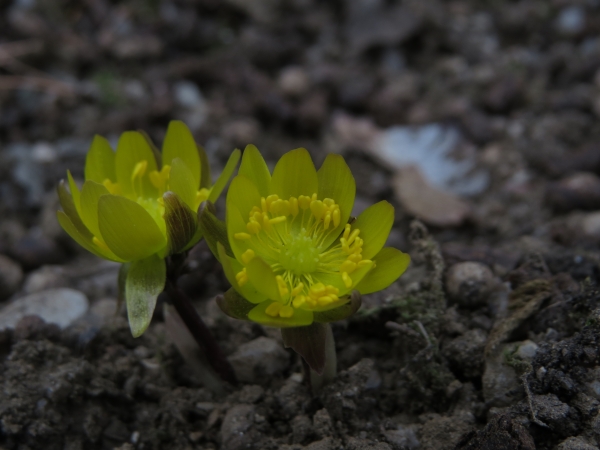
[(121, 282), (181, 222), (132, 149), (262, 278), (127, 228), (234, 305), (294, 175), (182, 182), (255, 169), (341, 312), (90, 195), (100, 161), (309, 342), (231, 267), (213, 230), (336, 182), (179, 143), (390, 263), (223, 179), (145, 281), (300, 318), (374, 224)]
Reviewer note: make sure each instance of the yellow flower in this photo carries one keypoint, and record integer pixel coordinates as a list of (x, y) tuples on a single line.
[(138, 206), (295, 252)]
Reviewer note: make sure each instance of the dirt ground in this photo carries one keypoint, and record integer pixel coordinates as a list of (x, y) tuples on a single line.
[(491, 338)]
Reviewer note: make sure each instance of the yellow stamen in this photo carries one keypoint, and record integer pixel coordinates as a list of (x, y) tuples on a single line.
[(242, 277), (139, 170), (248, 256), (113, 188), (242, 236), (273, 309), (286, 311), (346, 279), (281, 284)]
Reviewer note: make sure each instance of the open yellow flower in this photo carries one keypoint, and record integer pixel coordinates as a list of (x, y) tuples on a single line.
[(138, 206), (295, 252)]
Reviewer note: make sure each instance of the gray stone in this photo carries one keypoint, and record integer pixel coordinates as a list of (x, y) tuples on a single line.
[(402, 438), (44, 278), (432, 205), (469, 283), (259, 359), (60, 306), (236, 426), (11, 276), (293, 81), (465, 353), (575, 443), (500, 383), (571, 20)]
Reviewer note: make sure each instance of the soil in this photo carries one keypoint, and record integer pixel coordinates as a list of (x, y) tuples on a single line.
[(491, 338)]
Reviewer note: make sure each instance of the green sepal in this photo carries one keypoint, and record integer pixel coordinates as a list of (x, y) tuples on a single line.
[(181, 222), (213, 229), (153, 147), (309, 342), (145, 281), (234, 305), (206, 177), (341, 312), (223, 179), (68, 206)]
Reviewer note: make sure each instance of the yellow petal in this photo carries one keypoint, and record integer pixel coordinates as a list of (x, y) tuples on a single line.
[(374, 224), (263, 279), (131, 150), (179, 143), (294, 175), (127, 228), (231, 267), (85, 241), (181, 182), (390, 263), (90, 194), (255, 168), (100, 161), (336, 182)]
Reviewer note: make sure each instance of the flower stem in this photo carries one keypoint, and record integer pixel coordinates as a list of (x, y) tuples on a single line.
[(200, 332), (330, 370)]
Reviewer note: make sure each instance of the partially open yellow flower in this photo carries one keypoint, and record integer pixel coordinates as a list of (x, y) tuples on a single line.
[(295, 250), (138, 206)]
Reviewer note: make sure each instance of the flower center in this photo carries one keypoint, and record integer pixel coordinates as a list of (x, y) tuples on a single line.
[(299, 255), (290, 235)]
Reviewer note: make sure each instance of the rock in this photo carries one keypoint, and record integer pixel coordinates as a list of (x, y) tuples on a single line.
[(11, 276), (135, 47), (241, 132), (402, 438), (571, 20), (35, 250), (577, 191), (187, 94), (465, 353), (257, 360), (575, 443), (293, 81), (302, 429), (426, 202), (448, 430), (262, 11), (371, 23), (590, 225), (235, 428), (323, 444), (501, 386), (527, 350), (433, 149), (322, 423), (60, 306), (500, 433), (550, 410), (469, 283), (44, 278)]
